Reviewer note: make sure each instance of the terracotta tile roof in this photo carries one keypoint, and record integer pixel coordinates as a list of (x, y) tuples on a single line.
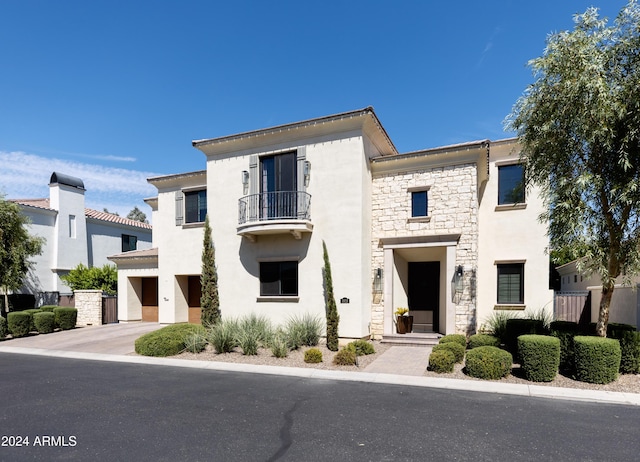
[(110, 217), (37, 203), (89, 213)]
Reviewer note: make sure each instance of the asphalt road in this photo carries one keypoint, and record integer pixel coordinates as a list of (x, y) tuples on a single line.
[(90, 410)]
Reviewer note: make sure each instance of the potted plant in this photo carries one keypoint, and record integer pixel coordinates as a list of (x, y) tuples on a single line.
[(404, 322)]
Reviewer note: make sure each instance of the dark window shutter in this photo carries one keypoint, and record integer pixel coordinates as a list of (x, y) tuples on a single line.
[(179, 208)]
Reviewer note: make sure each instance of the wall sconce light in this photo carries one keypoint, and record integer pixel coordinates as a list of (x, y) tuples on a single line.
[(377, 280), (307, 171), (458, 282)]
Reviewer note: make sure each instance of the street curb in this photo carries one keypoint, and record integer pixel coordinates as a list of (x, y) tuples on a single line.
[(535, 391)]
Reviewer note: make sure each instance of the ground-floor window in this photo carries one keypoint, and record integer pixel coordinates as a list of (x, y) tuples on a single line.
[(510, 283), (278, 278)]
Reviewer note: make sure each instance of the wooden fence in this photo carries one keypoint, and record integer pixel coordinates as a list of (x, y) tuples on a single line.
[(572, 306), (109, 309)]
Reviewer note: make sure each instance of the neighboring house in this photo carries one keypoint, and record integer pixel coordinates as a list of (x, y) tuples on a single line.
[(74, 234), (625, 303), (446, 232)]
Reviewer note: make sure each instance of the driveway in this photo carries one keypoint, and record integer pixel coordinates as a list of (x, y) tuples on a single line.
[(116, 339)]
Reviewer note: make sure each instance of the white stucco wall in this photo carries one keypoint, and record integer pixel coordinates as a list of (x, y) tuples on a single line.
[(511, 234), (40, 278), (338, 184), (105, 239)]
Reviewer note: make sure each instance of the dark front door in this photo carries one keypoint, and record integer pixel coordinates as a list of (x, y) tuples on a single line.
[(278, 186), (424, 295)]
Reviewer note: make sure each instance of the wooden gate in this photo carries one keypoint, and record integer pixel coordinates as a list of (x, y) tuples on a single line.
[(572, 306), (109, 309)]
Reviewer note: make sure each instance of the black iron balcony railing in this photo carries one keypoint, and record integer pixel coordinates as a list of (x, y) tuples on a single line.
[(278, 205)]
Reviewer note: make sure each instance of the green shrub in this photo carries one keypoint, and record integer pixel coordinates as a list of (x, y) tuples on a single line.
[(488, 362), (19, 323), (478, 340), (256, 327), (629, 346), (361, 347), (457, 338), (249, 341), (223, 335), (305, 330), (33, 311), (517, 327), (4, 330), (454, 347), (195, 342), (597, 359), (496, 324), (539, 357), (313, 355), (48, 308), (345, 357), (168, 341), (565, 331), (441, 360), (278, 345), (44, 322), (66, 317)]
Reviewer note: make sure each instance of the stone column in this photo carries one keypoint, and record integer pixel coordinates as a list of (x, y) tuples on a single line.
[(89, 306)]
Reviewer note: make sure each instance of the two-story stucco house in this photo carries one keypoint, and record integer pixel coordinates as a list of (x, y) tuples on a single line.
[(74, 235), (447, 232)]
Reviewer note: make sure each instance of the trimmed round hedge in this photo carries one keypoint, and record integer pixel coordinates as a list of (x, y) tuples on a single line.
[(19, 323), (48, 308), (44, 322), (345, 357), (516, 327), (539, 357), (454, 347), (478, 340), (168, 341), (4, 330), (441, 361), (361, 347), (457, 338), (597, 359), (629, 346), (313, 356), (565, 331), (488, 362), (66, 317)]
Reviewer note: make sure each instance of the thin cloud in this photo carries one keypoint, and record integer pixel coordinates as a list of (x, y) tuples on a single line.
[(488, 46), (25, 176)]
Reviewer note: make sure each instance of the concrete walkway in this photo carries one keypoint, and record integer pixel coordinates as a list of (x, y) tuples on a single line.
[(403, 360), (398, 365)]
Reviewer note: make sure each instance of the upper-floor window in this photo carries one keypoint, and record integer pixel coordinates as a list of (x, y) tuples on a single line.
[(195, 206), (72, 226), (129, 242), (419, 204), (510, 184), (511, 283)]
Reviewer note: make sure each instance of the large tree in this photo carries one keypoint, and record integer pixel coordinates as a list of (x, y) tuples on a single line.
[(137, 215), (209, 300), (579, 126), (16, 247)]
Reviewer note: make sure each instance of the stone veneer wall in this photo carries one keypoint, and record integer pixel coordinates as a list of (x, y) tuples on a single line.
[(89, 306), (452, 208)]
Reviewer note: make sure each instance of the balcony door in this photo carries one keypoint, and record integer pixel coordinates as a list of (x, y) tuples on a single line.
[(278, 186)]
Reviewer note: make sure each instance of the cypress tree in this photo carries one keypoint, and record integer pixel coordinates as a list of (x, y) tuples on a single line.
[(330, 304), (209, 300)]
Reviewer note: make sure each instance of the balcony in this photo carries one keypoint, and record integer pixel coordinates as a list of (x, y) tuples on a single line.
[(278, 212)]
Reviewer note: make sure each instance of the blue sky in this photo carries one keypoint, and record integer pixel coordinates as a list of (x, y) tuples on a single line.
[(115, 91)]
